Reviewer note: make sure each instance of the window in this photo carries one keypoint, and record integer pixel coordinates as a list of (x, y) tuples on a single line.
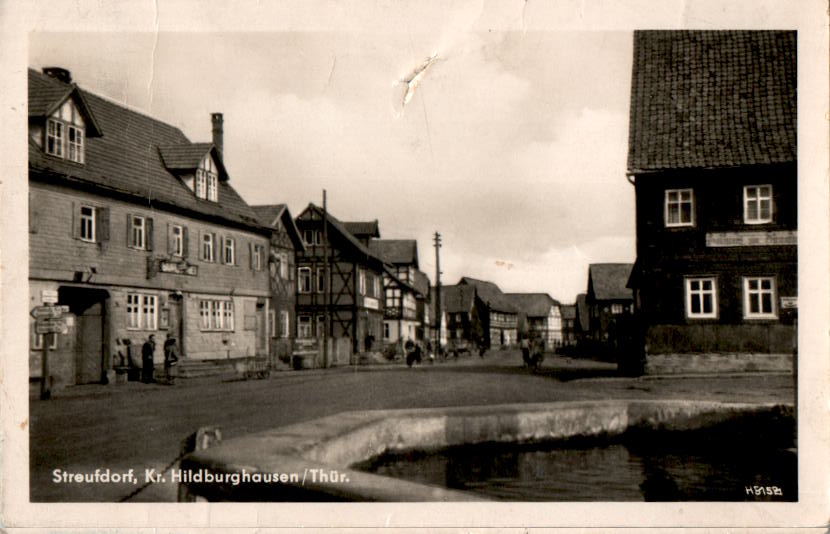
[(701, 298), (207, 247), (361, 285), (304, 326), (229, 250), (393, 298), (759, 297), (757, 204), (679, 207), (54, 138), (207, 184), (65, 133), (216, 315), (321, 325), (616, 309), (137, 235), (142, 311), (304, 280), (177, 240), (308, 237), (257, 252), (376, 283), (87, 232), (75, 144), (283, 270), (284, 323), (321, 279)]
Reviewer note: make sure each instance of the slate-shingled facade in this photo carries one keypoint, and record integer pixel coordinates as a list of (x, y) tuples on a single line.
[(712, 156), (139, 232)]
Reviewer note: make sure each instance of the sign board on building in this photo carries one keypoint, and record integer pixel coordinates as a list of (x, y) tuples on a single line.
[(369, 302), (178, 267), (49, 296), (49, 311), (49, 325), (789, 303), (751, 239)]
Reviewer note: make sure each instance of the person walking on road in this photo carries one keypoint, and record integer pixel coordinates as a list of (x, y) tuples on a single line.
[(170, 358), (147, 351)]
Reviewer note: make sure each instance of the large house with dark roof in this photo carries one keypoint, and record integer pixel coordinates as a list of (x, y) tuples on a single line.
[(285, 241), (351, 296), (609, 302), (539, 316), (712, 157), (138, 231)]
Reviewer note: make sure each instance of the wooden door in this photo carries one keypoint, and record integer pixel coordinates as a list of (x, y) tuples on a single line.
[(260, 329), (174, 322), (90, 346)]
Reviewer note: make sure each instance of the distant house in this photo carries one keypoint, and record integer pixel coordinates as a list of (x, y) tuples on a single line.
[(463, 323), (582, 325), (608, 299), (401, 315), (363, 231), (539, 316), (352, 296), (139, 232), (285, 241), (499, 317), (568, 312), (712, 156)]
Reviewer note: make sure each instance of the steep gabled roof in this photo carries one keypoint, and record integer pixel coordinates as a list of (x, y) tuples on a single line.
[(421, 283), (490, 294), (532, 304), (458, 298), (712, 99), (273, 214), (607, 281), (363, 229), (126, 159), (47, 94), (568, 311), (187, 156), (340, 229), (396, 251)]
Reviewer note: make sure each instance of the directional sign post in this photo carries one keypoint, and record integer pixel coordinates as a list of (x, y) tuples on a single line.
[(39, 312), (49, 321)]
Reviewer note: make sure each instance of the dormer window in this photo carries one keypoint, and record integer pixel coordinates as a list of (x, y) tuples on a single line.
[(207, 180), (65, 133)]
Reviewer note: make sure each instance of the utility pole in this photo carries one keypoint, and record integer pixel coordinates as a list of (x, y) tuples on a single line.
[(326, 284), (437, 240)]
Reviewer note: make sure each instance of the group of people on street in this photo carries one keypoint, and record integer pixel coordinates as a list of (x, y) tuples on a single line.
[(171, 358), (533, 352)]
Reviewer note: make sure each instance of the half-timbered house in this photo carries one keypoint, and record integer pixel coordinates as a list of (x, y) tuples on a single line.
[(610, 303), (285, 241), (350, 300), (138, 231), (539, 317), (401, 319), (499, 317)]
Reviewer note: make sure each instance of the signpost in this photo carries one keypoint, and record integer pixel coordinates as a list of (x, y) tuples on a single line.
[(49, 321)]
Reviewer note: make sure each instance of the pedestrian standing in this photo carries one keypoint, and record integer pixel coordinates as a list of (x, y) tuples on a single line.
[(147, 351), (170, 357)]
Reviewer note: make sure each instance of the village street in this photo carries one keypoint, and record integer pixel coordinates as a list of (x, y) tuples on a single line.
[(138, 426)]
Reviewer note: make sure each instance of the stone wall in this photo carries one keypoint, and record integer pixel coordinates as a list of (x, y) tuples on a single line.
[(717, 363)]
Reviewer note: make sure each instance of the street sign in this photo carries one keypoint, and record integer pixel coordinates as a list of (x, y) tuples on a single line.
[(49, 311), (49, 325), (789, 303), (49, 296)]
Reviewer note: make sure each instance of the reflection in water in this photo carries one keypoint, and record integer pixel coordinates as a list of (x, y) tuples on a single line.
[(722, 463)]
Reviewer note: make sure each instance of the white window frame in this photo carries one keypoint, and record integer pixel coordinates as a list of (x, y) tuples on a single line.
[(204, 315), (138, 233), (318, 237), (229, 251), (758, 293), (361, 282), (212, 187), (87, 224), (54, 133), (142, 311), (258, 251), (668, 202), (304, 326), (286, 323), (177, 231), (75, 147), (304, 273), (617, 309), (758, 199), (216, 315), (283, 265), (200, 184), (321, 280), (308, 236), (207, 246), (699, 293), (207, 180), (320, 325)]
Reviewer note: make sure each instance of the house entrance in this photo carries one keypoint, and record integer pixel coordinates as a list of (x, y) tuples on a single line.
[(89, 307)]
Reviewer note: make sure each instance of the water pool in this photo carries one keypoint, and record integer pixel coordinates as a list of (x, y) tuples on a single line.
[(742, 460)]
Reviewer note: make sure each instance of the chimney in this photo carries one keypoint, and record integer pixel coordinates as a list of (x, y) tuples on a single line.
[(218, 131), (58, 73)]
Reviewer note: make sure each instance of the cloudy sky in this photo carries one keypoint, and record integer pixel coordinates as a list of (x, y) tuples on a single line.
[(512, 146)]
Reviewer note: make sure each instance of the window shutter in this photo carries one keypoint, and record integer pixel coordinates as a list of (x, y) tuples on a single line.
[(102, 224), (215, 244), (170, 239), (76, 220), (184, 241), (33, 216), (221, 243), (148, 229), (251, 254), (130, 230)]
